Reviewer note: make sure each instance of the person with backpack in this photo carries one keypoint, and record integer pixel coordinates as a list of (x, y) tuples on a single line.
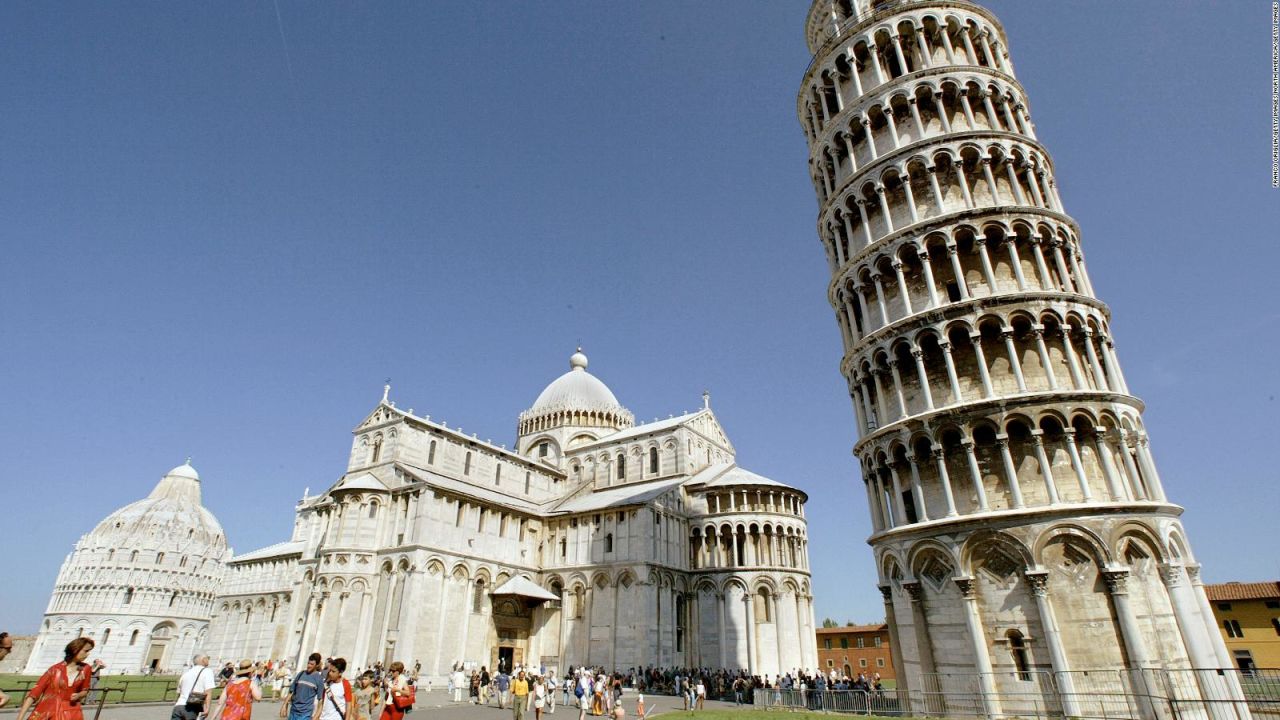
[(194, 690)]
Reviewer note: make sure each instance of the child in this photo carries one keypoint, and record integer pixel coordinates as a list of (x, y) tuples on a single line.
[(640, 707)]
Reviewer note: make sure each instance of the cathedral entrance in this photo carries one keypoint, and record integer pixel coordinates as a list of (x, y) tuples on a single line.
[(511, 634), (505, 657), (155, 657)]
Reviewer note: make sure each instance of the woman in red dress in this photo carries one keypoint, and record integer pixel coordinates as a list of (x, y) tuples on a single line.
[(58, 693), (238, 696)]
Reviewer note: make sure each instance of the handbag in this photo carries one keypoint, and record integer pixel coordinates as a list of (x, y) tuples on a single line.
[(196, 699), (406, 700)]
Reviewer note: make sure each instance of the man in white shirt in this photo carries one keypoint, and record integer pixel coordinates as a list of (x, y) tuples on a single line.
[(334, 702), (198, 680)]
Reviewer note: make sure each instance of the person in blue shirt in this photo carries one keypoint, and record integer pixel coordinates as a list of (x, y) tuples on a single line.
[(503, 683), (300, 701)]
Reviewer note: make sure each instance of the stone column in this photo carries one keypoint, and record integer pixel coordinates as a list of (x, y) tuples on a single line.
[(1038, 580), (954, 254), (1016, 261), (902, 287), (932, 170), (957, 397), (1101, 447), (1010, 470), (884, 311), (987, 389), (917, 492), (1131, 635), (1038, 332), (976, 475), (1143, 451), (720, 627), (918, 354), (895, 646), (1070, 440), (981, 655), (752, 641), (884, 209), (899, 511), (1014, 362), (940, 459), (927, 267), (1046, 468), (1092, 354), (1073, 363)]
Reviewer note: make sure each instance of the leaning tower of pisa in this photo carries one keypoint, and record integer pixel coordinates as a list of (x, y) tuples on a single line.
[(1025, 546)]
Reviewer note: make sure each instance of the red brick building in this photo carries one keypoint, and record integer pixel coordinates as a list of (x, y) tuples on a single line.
[(856, 649)]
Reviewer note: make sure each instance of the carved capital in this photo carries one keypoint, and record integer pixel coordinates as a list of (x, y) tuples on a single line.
[(915, 590), (1038, 581), (1193, 574), (967, 586), (886, 591), (1117, 581), (1171, 575)]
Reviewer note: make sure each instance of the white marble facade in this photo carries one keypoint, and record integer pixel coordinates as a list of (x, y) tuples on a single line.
[(140, 584), (1023, 537), (641, 545)]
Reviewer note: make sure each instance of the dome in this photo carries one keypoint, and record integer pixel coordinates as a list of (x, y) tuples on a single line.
[(184, 470), (576, 390), (172, 509)]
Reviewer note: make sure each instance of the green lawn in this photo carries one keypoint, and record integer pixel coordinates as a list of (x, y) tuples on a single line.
[(136, 688), (756, 715)]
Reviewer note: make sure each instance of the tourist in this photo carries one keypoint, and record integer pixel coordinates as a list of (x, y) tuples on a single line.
[(539, 693), (519, 696), (473, 689), (552, 685), (502, 683), (58, 692), (300, 702), (365, 700), (336, 696), (6, 647), (238, 696), (194, 690), (700, 692), (485, 682), (459, 682), (396, 686), (640, 707)]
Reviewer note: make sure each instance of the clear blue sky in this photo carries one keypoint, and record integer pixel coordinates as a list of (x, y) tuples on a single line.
[(214, 247)]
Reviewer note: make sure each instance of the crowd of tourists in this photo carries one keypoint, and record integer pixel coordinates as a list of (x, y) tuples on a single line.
[(321, 690)]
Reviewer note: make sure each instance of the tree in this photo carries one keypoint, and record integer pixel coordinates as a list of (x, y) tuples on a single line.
[(829, 623)]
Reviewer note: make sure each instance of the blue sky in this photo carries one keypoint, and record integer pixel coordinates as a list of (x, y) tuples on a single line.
[(219, 239)]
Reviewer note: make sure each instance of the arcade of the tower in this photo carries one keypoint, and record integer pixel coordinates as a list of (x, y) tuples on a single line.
[(1019, 521)]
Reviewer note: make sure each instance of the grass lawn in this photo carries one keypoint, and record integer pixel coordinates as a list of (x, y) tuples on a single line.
[(758, 714), (137, 688)]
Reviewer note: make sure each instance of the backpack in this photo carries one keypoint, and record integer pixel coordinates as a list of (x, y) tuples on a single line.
[(577, 691)]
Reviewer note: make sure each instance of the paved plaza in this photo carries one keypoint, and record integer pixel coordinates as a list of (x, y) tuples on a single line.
[(435, 702)]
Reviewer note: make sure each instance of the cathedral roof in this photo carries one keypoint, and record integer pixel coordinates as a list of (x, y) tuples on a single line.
[(577, 390), (277, 550), (629, 494)]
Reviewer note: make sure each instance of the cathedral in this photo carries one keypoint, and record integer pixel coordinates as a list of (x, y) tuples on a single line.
[(594, 541)]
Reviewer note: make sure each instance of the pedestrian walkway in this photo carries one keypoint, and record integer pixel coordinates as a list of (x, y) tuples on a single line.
[(436, 701)]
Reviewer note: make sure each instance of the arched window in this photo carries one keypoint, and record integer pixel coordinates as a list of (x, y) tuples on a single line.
[(431, 453), (497, 475), (183, 562), (133, 556), (680, 613), (466, 465), (544, 449), (1018, 648), (608, 543), (377, 451), (653, 461), (526, 483), (373, 510), (133, 637), (159, 558), (764, 611), (564, 547), (462, 511), (477, 600), (105, 635), (622, 466), (111, 555), (173, 598), (128, 596)]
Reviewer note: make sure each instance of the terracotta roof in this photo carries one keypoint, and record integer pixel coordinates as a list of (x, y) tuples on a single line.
[(854, 628), (1244, 591)]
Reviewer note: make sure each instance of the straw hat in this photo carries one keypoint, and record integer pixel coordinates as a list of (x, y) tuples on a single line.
[(246, 668)]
